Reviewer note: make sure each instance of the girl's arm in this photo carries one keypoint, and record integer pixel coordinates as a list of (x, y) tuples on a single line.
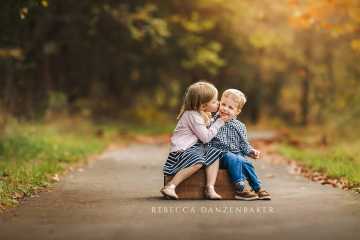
[(198, 127)]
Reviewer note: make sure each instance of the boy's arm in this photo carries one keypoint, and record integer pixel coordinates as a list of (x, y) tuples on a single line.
[(245, 145)]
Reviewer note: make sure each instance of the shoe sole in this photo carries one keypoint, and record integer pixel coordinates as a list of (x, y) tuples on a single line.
[(168, 196), (264, 198), (247, 199)]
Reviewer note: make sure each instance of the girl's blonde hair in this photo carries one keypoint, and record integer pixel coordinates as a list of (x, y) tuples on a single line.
[(236, 95), (197, 94)]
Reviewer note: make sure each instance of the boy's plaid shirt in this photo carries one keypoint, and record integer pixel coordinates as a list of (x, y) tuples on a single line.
[(232, 137)]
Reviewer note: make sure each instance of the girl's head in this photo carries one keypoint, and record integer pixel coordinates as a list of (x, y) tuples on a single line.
[(200, 96)]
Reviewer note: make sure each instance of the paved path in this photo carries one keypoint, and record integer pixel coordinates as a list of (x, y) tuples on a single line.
[(117, 197)]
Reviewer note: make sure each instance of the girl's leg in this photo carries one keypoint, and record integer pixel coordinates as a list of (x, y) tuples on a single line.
[(169, 190), (211, 175), (184, 174)]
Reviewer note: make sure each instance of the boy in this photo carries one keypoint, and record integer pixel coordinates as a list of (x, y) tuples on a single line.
[(232, 139)]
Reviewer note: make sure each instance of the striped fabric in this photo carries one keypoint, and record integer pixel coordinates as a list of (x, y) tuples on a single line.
[(198, 153)]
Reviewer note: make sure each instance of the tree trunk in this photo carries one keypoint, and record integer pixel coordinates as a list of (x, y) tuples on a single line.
[(305, 84), (305, 88)]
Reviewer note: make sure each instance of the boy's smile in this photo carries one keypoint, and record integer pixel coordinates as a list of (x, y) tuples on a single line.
[(228, 107)]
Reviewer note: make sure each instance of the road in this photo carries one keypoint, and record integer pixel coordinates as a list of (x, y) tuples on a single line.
[(117, 197)]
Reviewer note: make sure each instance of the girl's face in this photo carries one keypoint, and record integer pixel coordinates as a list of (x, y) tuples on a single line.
[(211, 106), (228, 107)]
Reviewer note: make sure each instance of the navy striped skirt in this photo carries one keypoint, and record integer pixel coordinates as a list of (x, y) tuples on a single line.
[(198, 153)]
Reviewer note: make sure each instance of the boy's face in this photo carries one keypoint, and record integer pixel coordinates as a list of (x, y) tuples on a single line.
[(228, 107)]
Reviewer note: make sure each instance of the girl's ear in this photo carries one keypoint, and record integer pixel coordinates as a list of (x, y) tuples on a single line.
[(202, 107), (238, 112)]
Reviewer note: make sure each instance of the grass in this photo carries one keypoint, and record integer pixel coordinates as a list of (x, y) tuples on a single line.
[(31, 154), (339, 160)]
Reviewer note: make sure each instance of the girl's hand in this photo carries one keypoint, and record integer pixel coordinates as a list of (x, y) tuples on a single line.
[(225, 118), (255, 154), (206, 116)]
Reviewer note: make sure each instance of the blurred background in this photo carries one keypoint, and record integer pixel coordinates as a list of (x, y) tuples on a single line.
[(297, 61), (116, 70)]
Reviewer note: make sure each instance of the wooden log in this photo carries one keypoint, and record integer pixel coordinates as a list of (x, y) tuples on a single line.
[(194, 186)]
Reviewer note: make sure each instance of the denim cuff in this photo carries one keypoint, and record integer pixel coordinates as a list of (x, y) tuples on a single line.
[(239, 186)]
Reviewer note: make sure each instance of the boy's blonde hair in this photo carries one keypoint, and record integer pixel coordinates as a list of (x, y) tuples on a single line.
[(197, 94), (236, 95)]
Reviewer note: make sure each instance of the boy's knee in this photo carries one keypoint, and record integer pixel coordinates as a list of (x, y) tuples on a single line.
[(248, 164), (229, 157), (229, 154)]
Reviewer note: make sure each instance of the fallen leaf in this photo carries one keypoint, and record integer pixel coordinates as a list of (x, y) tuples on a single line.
[(18, 195), (56, 178)]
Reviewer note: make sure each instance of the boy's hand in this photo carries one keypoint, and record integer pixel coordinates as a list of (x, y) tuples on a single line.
[(255, 154)]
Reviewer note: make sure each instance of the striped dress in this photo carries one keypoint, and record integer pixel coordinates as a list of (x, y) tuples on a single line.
[(190, 143), (198, 153)]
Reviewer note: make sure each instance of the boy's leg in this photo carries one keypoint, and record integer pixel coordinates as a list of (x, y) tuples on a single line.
[(254, 181), (234, 164), (234, 167), (249, 172)]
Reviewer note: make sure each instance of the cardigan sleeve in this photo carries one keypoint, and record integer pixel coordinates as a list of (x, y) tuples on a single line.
[(198, 127)]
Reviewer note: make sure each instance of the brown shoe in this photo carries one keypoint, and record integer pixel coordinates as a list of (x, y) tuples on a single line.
[(246, 195), (263, 195)]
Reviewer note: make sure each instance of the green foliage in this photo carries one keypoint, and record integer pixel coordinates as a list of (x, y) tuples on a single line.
[(195, 24), (57, 101), (202, 57), (105, 56), (337, 161), (30, 155), (142, 24)]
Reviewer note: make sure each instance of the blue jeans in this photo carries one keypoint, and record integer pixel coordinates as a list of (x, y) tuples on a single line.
[(240, 169)]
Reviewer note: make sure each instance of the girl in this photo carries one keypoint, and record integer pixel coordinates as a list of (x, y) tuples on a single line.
[(188, 154)]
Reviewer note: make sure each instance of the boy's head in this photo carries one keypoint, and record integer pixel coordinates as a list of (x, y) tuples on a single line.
[(232, 101)]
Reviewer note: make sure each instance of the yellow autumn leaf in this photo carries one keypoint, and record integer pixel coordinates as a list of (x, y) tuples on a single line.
[(355, 45), (24, 12), (44, 3), (15, 53)]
